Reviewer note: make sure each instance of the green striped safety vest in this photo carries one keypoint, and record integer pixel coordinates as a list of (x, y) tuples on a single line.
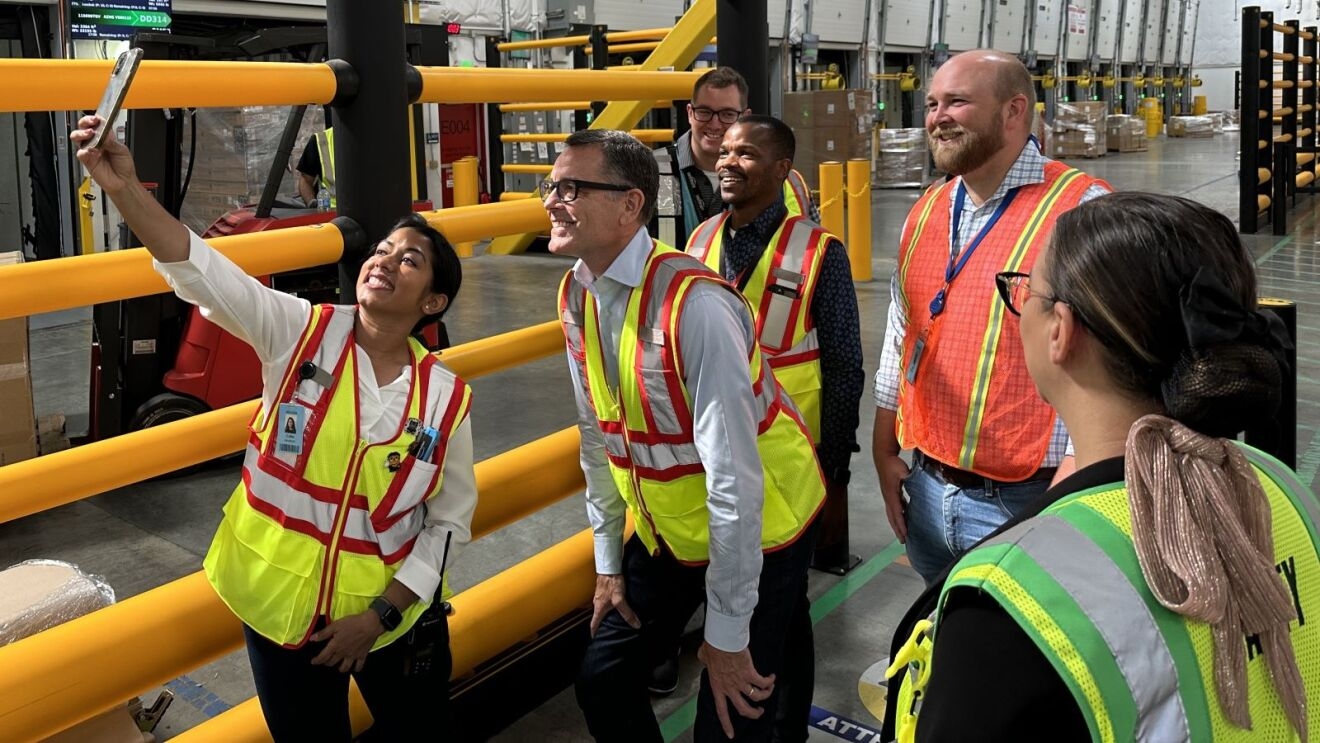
[(1138, 671)]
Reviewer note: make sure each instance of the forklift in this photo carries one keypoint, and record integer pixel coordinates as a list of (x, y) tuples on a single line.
[(155, 359)]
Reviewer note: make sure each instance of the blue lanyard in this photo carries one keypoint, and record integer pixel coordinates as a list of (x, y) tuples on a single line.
[(953, 269)]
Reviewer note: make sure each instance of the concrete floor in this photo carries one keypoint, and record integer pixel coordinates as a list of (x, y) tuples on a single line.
[(149, 534)]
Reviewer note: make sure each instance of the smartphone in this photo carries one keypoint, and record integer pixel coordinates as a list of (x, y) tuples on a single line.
[(125, 67)]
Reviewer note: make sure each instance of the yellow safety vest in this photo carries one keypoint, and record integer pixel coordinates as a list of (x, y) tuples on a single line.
[(797, 197), (1138, 671), (646, 421), (780, 289), (322, 532), (325, 147)]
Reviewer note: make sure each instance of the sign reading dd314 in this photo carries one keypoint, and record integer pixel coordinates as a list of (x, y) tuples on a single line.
[(117, 19)]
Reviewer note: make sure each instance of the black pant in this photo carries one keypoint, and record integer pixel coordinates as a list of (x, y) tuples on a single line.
[(303, 702), (611, 685)]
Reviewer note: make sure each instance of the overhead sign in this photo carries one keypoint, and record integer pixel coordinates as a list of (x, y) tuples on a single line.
[(117, 19)]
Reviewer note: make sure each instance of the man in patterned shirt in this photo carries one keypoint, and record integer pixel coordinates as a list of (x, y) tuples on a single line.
[(952, 383), (797, 278)]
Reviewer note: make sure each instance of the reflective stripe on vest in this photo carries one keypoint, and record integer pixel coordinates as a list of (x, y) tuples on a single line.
[(781, 289), (977, 408), (647, 422), (322, 532), (325, 147), (1071, 579)]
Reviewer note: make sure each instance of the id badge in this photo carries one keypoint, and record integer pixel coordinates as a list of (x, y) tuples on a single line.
[(292, 420), (914, 361)]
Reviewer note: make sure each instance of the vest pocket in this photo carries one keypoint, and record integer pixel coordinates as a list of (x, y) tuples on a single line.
[(407, 491), (359, 579), (265, 574)]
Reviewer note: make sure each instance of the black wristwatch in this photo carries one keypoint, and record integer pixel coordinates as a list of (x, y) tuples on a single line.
[(389, 616)]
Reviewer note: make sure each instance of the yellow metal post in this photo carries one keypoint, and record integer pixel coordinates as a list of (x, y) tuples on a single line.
[(86, 202), (465, 194), (831, 197), (859, 218)]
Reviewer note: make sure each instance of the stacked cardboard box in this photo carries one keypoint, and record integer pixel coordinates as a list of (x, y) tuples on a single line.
[(1079, 130), (235, 147), (903, 158), (1126, 133), (1191, 126), (18, 428), (830, 125)]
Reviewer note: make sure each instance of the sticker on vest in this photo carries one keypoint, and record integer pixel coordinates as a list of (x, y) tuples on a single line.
[(292, 421)]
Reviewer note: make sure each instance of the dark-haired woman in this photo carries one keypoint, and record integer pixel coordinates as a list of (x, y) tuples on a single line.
[(327, 553), (1169, 589)]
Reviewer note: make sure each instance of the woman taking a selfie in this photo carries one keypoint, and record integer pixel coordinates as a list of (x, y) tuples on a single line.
[(1167, 591), (357, 485)]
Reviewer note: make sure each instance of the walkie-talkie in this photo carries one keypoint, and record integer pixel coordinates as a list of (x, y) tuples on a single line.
[(425, 636)]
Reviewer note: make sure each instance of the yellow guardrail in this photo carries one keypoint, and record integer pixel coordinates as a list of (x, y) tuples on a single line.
[(495, 84), (567, 106), (644, 135), (77, 84)]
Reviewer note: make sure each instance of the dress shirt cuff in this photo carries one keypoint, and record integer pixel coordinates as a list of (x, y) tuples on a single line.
[(727, 633), (609, 555), (418, 577)]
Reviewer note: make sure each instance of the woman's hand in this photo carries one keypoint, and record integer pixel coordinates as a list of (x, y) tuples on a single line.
[(111, 163), (348, 640)]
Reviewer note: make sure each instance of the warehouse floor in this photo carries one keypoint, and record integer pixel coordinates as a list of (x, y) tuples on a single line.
[(149, 534)]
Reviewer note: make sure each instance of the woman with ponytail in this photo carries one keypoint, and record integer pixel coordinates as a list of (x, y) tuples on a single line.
[(1163, 591)]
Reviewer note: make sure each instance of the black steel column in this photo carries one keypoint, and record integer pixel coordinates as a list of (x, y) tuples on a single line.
[(494, 128), (1250, 161), (744, 45), (1292, 49), (580, 62), (371, 128), (600, 59)]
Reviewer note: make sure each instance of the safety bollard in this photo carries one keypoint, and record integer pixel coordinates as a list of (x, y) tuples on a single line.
[(1278, 436), (859, 218), (465, 194), (831, 197)]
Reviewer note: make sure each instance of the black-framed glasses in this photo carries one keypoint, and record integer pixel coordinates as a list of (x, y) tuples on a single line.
[(567, 188), (726, 115), (1015, 289)]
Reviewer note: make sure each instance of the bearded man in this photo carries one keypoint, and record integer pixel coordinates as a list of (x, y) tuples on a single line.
[(952, 384)]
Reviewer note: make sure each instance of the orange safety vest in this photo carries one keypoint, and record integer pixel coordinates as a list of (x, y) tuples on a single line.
[(780, 289), (646, 421), (972, 404), (322, 532)]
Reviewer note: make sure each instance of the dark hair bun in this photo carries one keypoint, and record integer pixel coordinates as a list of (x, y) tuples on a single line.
[(1223, 389)]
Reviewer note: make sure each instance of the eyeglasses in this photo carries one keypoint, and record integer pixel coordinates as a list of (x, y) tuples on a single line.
[(1015, 289), (567, 188), (726, 115)]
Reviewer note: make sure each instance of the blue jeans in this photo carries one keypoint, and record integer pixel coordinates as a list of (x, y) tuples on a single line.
[(944, 520), (611, 684)]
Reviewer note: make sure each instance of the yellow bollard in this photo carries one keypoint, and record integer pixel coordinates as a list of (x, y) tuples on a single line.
[(859, 218), (465, 194), (1198, 105), (86, 210), (831, 197)]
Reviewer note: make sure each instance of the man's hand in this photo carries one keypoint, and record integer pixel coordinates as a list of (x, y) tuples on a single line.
[(734, 680), (348, 640), (609, 596), (892, 470)]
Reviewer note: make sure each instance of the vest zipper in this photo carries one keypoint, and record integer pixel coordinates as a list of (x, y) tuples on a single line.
[(341, 519)]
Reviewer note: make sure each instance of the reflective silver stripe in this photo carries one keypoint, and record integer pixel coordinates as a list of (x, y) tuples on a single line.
[(1287, 480), (394, 538), (786, 273), (326, 355), (664, 456), (1118, 613), (699, 243), (275, 493), (810, 342)]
